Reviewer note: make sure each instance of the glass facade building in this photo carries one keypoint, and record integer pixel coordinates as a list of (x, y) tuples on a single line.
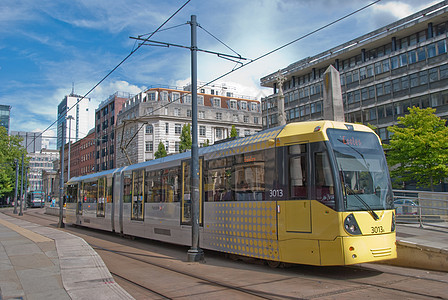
[(5, 111)]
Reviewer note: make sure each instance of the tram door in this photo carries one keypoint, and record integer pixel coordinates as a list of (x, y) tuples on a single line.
[(186, 212)]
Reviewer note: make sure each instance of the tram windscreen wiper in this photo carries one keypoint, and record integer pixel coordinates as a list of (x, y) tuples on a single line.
[(369, 209)]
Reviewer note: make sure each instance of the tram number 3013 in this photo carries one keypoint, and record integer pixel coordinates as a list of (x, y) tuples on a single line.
[(276, 193), (377, 229)]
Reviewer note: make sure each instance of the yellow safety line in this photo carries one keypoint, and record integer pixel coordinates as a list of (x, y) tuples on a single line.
[(35, 237)]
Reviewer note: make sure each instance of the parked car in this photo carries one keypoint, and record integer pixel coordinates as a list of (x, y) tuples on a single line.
[(405, 207)]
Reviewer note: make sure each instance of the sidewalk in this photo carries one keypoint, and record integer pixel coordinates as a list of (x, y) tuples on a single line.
[(38, 262), (425, 248)]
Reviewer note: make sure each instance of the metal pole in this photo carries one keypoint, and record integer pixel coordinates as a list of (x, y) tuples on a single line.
[(21, 191), (69, 118), (194, 253), (61, 181), (26, 186), (17, 186)]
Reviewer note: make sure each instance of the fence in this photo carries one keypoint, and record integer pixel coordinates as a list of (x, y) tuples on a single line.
[(426, 208)]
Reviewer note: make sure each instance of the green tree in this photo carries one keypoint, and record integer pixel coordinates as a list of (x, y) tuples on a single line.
[(10, 149), (185, 138), (233, 132), (418, 148), (161, 151)]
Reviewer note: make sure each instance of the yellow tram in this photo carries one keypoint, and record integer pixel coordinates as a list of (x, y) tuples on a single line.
[(315, 193)]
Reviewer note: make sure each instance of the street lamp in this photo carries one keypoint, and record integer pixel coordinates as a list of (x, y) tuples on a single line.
[(69, 118)]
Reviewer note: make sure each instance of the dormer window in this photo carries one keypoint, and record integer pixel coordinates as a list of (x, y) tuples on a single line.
[(243, 105), (216, 102), (233, 104)]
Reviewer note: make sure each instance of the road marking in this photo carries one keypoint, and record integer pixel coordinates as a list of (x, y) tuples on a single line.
[(35, 237)]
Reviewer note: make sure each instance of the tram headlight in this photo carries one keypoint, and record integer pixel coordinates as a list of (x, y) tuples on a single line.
[(351, 226)]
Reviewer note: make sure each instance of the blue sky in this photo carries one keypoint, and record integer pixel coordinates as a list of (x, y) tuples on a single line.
[(46, 45)]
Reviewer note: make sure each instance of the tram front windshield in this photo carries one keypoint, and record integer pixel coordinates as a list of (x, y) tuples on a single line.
[(362, 170)]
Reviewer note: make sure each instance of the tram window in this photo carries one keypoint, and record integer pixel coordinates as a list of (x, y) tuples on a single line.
[(137, 195), (153, 188), (72, 193), (90, 191), (218, 180), (109, 190), (127, 192), (249, 177), (170, 185), (297, 172), (324, 186), (101, 197), (218, 174)]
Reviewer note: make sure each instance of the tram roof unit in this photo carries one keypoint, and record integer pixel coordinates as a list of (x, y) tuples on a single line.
[(304, 132)]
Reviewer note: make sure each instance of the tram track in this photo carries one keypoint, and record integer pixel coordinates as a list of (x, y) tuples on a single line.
[(367, 278), (203, 279)]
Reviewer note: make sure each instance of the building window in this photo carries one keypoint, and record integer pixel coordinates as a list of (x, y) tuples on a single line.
[(176, 112), (189, 113), (175, 97), (243, 105), (164, 96), (219, 133), (246, 119), (167, 145), (201, 114), (200, 100), (235, 118), (177, 128), (167, 128), (148, 146), (149, 129), (216, 102), (152, 96), (256, 120), (187, 98), (202, 130), (218, 116), (254, 107), (246, 132), (176, 146), (233, 104)]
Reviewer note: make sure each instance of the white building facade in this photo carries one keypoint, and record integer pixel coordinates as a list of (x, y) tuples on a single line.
[(82, 122), (158, 115), (39, 162)]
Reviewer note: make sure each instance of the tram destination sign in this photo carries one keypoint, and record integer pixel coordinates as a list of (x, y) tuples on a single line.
[(354, 139)]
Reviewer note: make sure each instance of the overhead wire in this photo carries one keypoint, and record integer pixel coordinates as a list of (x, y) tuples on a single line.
[(258, 58), (117, 66)]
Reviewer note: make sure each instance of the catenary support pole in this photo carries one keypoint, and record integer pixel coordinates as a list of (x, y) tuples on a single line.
[(61, 181), (17, 186), (26, 188), (21, 190), (194, 253)]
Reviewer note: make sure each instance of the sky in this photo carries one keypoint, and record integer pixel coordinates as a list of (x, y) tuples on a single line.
[(48, 46)]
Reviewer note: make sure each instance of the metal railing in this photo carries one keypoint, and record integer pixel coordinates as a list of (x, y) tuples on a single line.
[(422, 207)]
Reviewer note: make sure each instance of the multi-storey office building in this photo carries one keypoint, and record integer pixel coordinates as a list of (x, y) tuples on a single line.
[(81, 123), (382, 73), (105, 119), (158, 115), (40, 162), (5, 112)]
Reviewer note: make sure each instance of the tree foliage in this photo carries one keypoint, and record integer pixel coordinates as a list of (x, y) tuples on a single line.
[(233, 132), (185, 138), (418, 149), (10, 149), (161, 151)]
